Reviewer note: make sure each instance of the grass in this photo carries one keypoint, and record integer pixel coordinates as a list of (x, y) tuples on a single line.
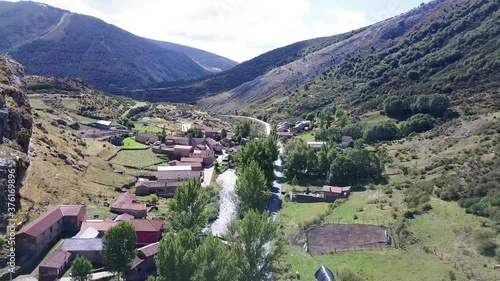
[(131, 143), (137, 158), (306, 137), (150, 128), (447, 244)]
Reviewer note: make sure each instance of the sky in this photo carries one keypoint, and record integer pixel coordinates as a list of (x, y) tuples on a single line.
[(237, 29)]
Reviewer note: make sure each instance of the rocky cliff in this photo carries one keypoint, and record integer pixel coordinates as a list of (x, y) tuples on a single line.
[(15, 128)]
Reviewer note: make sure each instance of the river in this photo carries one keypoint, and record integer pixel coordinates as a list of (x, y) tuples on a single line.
[(227, 210)]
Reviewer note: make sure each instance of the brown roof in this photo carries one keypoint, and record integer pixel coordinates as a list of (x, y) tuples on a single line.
[(212, 130), (147, 225), (101, 226), (49, 218), (139, 224), (127, 201), (57, 259), (147, 137), (191, 160), (174, 175), (336, 189), (183, 147), (211, 141), (285, 134), (148, 251)]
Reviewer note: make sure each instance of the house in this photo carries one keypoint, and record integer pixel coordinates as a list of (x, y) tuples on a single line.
[(227, 142), (146, 138), (346, 142), (315, 145), (87, 248), (285, 135), (144, 265), (183, 150), (286, 125), (235, 149), (333, 192), (144, 187), (171, 141), (208, 156), (39, 235), (54, 266), (102, 124), (178, 176), (211, 132), (126, 204), (147, 231), (194, 166), (213, 145)]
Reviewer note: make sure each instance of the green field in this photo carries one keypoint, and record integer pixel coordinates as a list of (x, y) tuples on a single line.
[(137, 158), (150, 128), (443, 240), (306, 137), (130, 143)]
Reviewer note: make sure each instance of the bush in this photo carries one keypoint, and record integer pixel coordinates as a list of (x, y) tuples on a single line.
[(485, 241), (382, 131)]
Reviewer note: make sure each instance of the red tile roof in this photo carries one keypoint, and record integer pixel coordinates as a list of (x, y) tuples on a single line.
[(147, 225), (176, 175), (57, 259), (49, 218), (101, 226), (212, 130), (126, 201), (148, 251), (211, 141)]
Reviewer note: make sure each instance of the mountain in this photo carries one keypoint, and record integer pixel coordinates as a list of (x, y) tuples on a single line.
[(191, 91), (54, 42), (445, 46)]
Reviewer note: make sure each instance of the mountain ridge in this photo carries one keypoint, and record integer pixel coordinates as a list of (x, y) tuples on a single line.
[(36, 35)]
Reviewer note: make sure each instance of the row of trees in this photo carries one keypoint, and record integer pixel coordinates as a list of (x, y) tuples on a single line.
[(378, 131), (339, 167), (401, 108)]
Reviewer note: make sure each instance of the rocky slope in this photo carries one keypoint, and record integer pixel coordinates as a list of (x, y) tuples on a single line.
[(54, 42), (444, 46), (15, 125)]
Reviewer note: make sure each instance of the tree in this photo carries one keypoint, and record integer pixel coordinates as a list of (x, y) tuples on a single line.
[(119, 247), (81, 269), (355, 166), (256, 253), (396, 107), (175, 260), (438, 104), (353, 130), (413, 75), (382, 131), (299, 160), (243, 129), (264, 153), (195, 133), (252, 189), (223, 133), (341, 117), (417, 124), (215, 261), (188, 207)]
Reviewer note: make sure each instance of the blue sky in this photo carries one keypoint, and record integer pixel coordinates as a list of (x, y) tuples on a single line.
[(237, 29)]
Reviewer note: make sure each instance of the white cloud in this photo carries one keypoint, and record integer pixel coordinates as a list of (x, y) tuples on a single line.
[(238, 29)]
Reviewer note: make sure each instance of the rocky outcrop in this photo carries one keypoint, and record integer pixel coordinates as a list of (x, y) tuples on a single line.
[(15, 128)]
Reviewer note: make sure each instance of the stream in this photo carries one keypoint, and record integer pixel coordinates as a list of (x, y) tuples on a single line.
[(227, 203)]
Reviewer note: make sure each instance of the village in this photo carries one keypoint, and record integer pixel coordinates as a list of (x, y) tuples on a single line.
[(191, 157)]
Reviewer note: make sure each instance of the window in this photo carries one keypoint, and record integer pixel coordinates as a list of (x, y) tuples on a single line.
[(51, 229)]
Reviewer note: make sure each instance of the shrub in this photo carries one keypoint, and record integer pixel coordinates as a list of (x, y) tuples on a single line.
[(417, 124), (485, 241)]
